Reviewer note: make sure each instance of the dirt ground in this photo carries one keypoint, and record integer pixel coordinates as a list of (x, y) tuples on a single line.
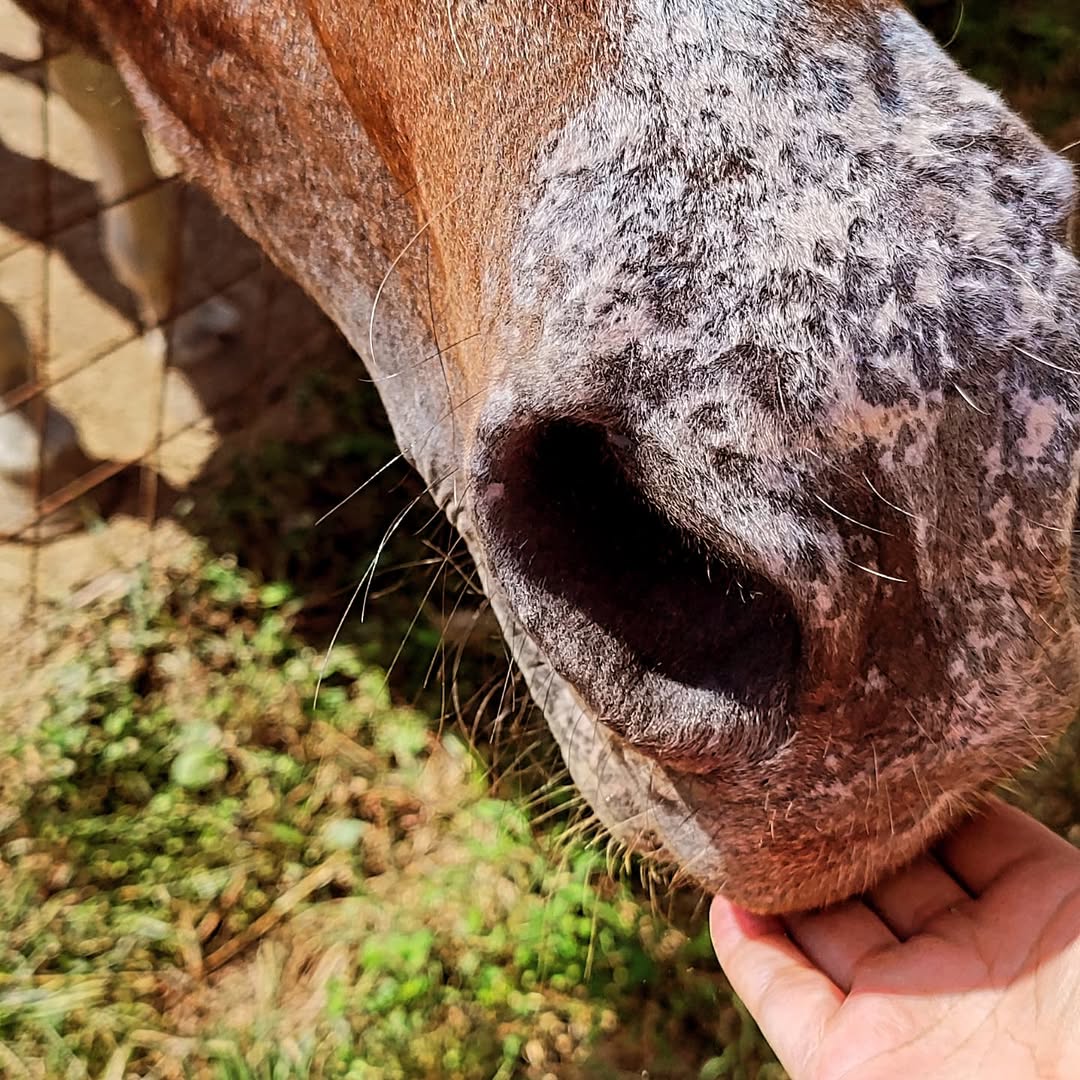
[(107, 376)]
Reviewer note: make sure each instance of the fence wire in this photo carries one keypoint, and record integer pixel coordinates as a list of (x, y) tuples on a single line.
[(83, 352)]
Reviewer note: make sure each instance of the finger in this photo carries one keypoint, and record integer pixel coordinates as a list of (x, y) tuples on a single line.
[(988, 845), (911, 899), (789, 998), (840, 938)]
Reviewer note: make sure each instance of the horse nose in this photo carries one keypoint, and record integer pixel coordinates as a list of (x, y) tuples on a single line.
[(673, 641)]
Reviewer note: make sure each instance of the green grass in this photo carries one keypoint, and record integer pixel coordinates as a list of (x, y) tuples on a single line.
[(180, 807)]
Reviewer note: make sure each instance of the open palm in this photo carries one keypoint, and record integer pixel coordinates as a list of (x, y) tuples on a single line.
[(965, 964)]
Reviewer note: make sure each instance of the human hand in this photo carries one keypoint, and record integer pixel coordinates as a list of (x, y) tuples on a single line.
[(962, 966)]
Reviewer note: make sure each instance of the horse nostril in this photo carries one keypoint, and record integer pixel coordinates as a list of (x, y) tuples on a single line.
[(626, 605)]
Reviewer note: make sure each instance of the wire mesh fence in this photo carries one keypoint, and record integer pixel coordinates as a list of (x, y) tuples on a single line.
[(138, 328)]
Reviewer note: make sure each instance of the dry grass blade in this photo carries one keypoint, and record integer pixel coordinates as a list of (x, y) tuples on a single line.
[(319, 878)]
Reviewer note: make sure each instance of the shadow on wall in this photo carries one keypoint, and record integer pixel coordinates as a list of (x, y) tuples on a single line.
[(79, 352)]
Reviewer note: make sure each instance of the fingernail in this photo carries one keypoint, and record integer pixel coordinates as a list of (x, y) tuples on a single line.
[(749, 923)]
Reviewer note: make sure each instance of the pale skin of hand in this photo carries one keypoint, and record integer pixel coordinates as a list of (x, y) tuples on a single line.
[(964, 965)]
